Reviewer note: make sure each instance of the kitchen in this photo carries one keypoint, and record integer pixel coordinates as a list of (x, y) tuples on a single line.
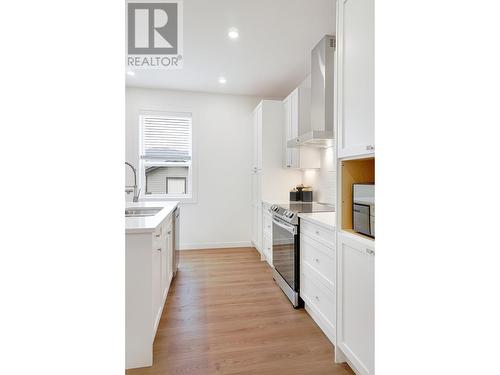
[(189, 187), (264, 177)]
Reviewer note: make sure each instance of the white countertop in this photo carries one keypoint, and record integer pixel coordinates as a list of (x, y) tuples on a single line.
[(326, 219), (148, 223)]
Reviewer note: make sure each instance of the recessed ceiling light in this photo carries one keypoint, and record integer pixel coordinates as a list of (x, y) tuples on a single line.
[(233, 33), (222, 80), (131, 73)]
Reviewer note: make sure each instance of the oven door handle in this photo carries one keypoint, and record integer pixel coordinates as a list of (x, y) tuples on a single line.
[(289, 228)]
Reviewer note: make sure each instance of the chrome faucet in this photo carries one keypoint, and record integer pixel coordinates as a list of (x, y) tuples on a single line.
[(135, 190)]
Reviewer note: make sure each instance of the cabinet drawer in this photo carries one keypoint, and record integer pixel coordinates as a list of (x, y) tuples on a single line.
[(315, 293), (158, 232), (319, 233), (320, 258), (268, 224)]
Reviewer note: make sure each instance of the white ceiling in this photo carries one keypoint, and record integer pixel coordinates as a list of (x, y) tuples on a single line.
[(268, 60)]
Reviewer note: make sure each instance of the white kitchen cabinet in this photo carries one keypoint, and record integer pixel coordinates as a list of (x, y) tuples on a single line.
[(297, 111), (267, 234), (166, 258), (257, 137), (318, 274), (256, 209), (270, 181), (356, 297), (148, 274), (355, 78)]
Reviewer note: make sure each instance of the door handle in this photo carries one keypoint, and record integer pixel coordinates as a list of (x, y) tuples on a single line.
[(289, 228)]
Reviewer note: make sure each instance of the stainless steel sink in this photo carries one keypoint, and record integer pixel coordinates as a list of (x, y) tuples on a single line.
[(141, 211)]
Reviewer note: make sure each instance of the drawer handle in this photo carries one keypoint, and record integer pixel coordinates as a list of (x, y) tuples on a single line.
[(370, 251), (157, 235), (317, 298), (317, 260), (317, 232), (159, 249), (169, 232), (370, 147)]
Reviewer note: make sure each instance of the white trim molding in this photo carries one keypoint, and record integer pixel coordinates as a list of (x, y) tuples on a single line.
[(214, 245)]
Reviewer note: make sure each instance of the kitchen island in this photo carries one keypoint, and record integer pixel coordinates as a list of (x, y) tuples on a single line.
[(150, 265)]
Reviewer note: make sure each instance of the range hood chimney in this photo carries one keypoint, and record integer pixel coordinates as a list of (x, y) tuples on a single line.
[(320, 133)]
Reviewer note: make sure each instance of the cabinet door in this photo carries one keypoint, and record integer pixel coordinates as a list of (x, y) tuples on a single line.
[(355, 75), (294, 113), (165, 262), (294, 127), (292, 155), (156, 282), (256, 207), (259, 137), (254, 140), (287, 133), (259, 227), (356, 297)]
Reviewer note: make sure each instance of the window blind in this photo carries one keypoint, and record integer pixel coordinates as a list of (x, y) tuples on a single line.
[(167, 137)]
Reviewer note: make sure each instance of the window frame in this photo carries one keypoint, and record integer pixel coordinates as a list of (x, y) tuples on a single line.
[(191, 196), (168, 178)]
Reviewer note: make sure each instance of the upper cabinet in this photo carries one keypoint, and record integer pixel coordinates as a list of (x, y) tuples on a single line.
[(355, 77), (297, 108), (257, 138), (274, 181)]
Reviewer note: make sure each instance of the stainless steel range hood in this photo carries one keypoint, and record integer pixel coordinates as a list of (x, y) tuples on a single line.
[(320, 133)]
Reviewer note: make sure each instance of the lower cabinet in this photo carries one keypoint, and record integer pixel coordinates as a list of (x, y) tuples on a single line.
[(317, 275), (267, 234), (356, 297), (148, 273)]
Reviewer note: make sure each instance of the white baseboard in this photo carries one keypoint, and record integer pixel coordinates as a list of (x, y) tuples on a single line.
[(214, 245)]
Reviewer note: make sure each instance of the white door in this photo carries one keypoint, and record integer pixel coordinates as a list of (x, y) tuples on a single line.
[(256, 209), (259, 137), (156, 282), (291, 130), (294, 113), (166, 267), (255, 139), (356, 297), (287, 131), (355, 75), (254, 213)]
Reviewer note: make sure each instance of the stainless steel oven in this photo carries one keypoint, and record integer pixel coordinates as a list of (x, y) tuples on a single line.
[(286, 258), (286, 245)]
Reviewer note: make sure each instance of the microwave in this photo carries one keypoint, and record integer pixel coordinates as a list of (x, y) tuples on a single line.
[(363, 209)]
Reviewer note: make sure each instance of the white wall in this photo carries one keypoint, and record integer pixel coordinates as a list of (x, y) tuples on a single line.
[(323, 180), (221, 216)]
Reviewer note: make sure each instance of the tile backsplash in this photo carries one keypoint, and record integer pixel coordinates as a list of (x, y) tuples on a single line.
[(323, 180)]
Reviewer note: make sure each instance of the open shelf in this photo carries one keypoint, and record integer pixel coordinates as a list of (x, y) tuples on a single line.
[(354, 172)]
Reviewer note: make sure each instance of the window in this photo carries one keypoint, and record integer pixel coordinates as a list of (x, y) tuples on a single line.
[(166, 155)]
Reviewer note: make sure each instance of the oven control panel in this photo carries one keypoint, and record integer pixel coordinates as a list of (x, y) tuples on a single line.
[(284, 214)]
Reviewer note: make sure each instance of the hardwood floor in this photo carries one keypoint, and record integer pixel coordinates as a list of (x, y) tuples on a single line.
[(225, 315)]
